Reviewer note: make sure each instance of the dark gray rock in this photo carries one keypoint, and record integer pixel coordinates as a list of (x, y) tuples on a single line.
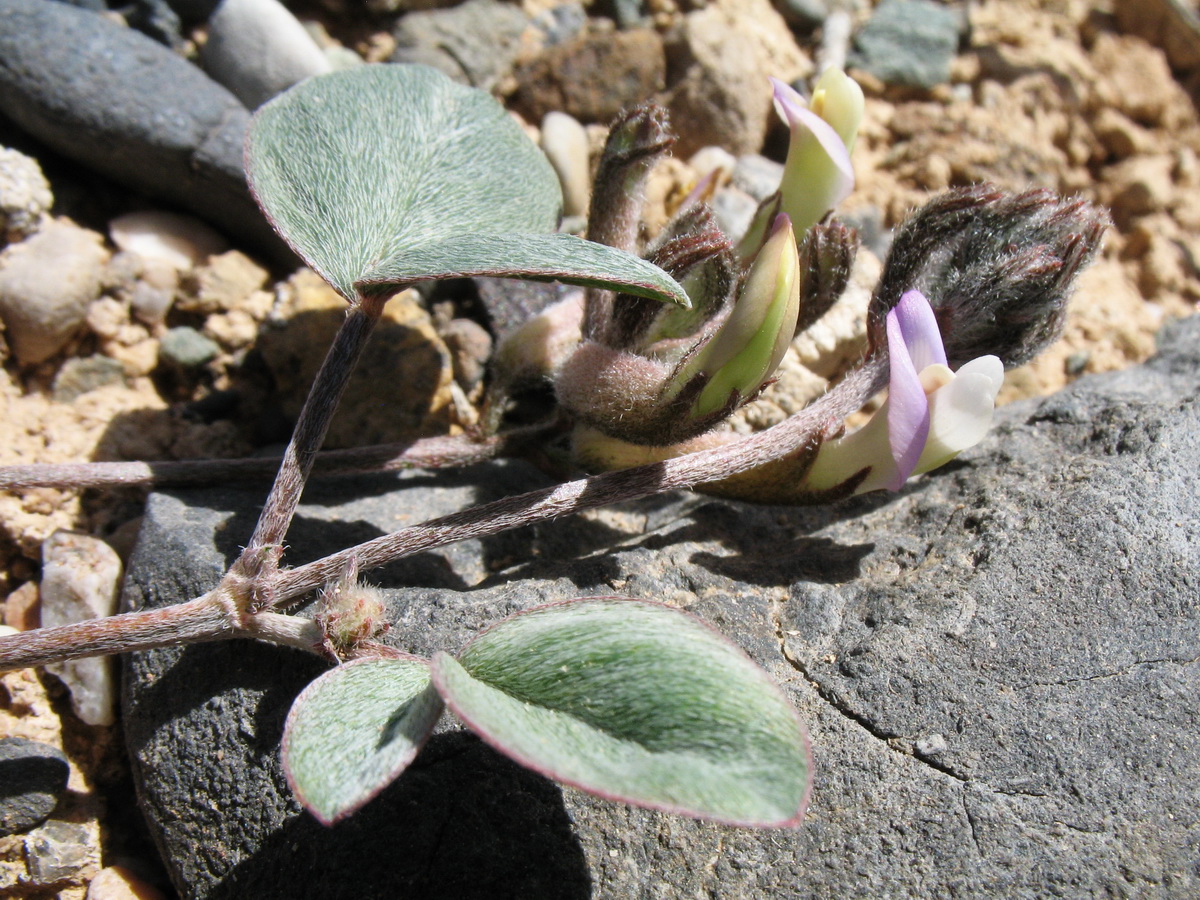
[(804, 15), (33, 776), (476, 43), (193, 12), (909, 43), (123, 105), (1000, 667), (156, 19)]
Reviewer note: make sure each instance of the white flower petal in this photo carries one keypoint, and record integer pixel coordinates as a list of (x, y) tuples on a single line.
[(986, 365), (960, 414)]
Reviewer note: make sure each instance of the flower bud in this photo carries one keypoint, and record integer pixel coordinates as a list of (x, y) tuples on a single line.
[(749, 346), (349, 613), (997, 268), (817, 174), (681, 385)]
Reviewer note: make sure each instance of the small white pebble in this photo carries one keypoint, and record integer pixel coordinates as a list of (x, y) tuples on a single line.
[(178, 240), (565, 143), (80, 580)]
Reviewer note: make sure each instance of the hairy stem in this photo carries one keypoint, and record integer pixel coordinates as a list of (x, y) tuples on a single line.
[(223, 613), (290, 631), (208, 618), (213, 617), (266, 544), (427, 453), (823, 418)]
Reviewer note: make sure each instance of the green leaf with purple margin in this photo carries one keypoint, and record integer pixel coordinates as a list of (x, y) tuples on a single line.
[(384, 175), (354, 730), (635, 702)]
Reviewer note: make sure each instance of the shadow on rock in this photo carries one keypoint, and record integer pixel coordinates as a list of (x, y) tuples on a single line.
[(462, 822)]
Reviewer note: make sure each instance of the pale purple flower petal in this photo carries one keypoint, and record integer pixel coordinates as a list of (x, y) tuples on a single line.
[(793, 109), (787, 100), (908, 407), (919, 328)]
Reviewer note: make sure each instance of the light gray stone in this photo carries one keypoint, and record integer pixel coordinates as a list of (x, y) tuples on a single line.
[(998, 667), (46, 284), (81, 578), (258, 49), (909, 43), (59, 851), (79, 375), (476, 42), (187, 348), (757, 176), (25, 196), (734, 210)]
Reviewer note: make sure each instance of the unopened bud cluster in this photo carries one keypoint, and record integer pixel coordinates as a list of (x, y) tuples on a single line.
[(975, 281)]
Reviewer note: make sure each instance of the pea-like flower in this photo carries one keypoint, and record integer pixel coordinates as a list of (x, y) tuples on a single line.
[(930, 416), (817, 174)]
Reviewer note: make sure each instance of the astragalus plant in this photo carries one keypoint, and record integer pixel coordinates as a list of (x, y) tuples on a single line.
[(385, 176)]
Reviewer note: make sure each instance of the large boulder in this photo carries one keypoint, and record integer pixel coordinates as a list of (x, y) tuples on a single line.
[(1000, 668)]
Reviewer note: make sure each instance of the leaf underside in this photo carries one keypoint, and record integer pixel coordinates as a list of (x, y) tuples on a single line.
[(354, 730), (635, 702), (392, 174)]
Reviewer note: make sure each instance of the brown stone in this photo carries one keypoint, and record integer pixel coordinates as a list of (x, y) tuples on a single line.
[(725, 53), (593, 76), (22, 609), (1138, 186), (1136, 79), (401, 387), (119, 883), (1120, 136), (1174, 26), (224, 284)]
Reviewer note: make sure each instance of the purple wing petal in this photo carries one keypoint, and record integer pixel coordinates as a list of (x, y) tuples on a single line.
[(919, 328), (908, 407), (787, 101)]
